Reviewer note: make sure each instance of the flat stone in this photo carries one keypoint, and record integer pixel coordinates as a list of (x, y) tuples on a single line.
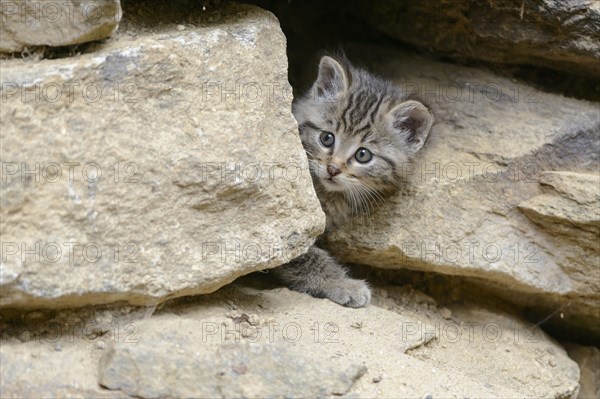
[(159, 165), (155, 369), (563, 35), (280, 343), (496, 145), (29, 24)]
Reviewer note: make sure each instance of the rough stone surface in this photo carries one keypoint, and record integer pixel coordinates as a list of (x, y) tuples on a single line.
[(230, 370), (271, 342), (132, 173), (569, 209), (588, 360), (496, 145), (50, 369), (560, 34), (27, 24)]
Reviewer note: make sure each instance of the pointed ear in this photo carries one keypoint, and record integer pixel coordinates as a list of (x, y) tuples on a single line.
[(332, 79), (412, 121)]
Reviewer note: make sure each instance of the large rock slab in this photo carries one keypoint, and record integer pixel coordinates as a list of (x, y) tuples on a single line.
[(27, 24), (560, 34), (472, 206), (160, 165), (246, 342)]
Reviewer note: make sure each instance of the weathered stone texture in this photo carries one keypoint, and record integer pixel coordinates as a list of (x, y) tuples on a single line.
[(160, 165), (588, 360), (560, 34), (506, 169), (32, 23), (272, 342)]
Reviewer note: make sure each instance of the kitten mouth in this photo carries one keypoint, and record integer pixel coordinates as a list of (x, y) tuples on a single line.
[(331, 184)]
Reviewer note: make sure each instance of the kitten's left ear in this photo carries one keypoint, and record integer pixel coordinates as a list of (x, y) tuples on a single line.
[(412, 121), (332, 79)]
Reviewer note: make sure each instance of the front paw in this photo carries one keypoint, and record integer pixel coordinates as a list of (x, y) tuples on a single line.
[(349, 292)]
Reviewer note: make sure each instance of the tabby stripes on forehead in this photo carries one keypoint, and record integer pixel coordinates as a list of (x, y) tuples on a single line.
[(370, 108), (345, 111), (376, 110), (355, 114)]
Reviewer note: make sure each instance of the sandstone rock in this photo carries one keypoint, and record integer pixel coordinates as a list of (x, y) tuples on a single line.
[(229, 370), (459, 214), (27, 24), (588, 360), (301, 347), (160, 165), (36, 370), (571, 210), (563, 35)]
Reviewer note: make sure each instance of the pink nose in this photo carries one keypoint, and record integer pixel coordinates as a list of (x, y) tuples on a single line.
[(333, 170)]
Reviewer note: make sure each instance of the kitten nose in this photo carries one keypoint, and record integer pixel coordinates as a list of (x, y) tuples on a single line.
[(333, 170)]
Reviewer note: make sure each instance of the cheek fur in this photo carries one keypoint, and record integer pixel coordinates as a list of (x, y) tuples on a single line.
[(376, 174)]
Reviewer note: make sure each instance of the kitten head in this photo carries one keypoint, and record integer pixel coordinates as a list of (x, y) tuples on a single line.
[(358, 129)]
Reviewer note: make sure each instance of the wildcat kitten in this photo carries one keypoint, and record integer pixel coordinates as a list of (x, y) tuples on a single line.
[(357, 130)]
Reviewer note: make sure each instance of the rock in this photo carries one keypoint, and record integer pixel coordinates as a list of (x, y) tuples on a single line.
[(446, 313), (63, 374), (27, 24), (29, 391), (571, 210), (563, 35), (466, 209), (160, 165), (230, 370), (588, 360), (303, 347), (481, 328)]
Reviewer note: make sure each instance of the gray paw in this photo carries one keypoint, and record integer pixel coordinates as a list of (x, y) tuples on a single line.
[(349, 292)]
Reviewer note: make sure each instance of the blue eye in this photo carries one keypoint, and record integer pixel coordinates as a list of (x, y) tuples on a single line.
[(327, 139), (363, 155)]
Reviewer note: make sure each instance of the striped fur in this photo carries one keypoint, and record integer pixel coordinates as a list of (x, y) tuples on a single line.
[(362, 111)]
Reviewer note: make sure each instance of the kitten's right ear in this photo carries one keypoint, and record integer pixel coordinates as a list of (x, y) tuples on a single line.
[(412, 121), (332, 80)]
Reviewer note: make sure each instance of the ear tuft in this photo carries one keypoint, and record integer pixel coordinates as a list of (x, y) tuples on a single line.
[(412, 121), (332, 80)]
